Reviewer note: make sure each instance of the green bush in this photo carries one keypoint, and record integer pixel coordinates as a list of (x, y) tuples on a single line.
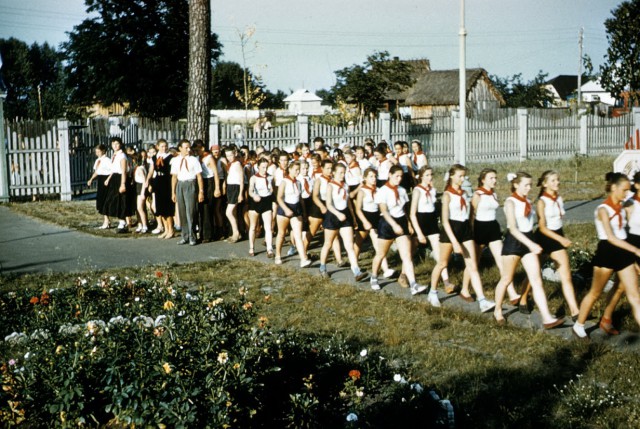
[(123, 352)]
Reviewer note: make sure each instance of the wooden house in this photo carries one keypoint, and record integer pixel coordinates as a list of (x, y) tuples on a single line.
[(436, 93), (563, 88)]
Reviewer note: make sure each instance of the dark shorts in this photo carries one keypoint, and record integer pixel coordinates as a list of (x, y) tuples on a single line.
[(101, 192), (385, 231), (514, 247), (612, 257), (485, 232), (372, 217), (139, 192), (332, 222), (461, 230), (428, 223), (295, 208), (306, 204), (549, 245), (264, 205), (233, 192), (634, 240), (314, 210)]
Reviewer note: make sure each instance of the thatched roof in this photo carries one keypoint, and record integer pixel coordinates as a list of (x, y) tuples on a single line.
[(440, 87), (418, 68)]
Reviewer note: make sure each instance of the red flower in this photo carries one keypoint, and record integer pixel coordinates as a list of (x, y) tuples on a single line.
[(158, 274), (354, 374), (34, 300), (45, 298)]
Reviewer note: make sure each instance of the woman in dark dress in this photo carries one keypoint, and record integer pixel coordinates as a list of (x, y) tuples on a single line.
[(162, 188)]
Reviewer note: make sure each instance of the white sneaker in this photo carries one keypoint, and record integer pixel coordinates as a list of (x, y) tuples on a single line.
[(157, 231), (139, 228), (388, 274), (578, 331), (305, 264), (416, 289), (486, 305), (433, 299), (374, 284), (292, 251)]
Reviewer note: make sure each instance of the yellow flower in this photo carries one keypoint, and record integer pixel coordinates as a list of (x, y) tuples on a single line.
[(168, 305), (236, 365), (166, 367), (59, 349), (242, 291), (247, 305), (216, 302), (223, 357)]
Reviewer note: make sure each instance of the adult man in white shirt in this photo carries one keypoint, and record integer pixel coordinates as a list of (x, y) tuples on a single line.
[(186, 183)]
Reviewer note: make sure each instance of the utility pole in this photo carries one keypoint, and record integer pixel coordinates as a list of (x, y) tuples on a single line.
[(580, 40), (40, 100), (463, 88)]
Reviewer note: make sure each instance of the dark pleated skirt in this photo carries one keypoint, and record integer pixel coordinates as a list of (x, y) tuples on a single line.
[(162, 189)]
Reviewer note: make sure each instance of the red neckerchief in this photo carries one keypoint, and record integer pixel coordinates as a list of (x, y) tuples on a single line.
[(296, 156), (306, 185), (204, 155), (484, 191), (341, 189), (159, 161), (460, 193), (317, 172), (293, 182), (554, 199), (229, 164), (617, 209), (527, 204), (184, 161), (327, 178), (354, 164), (395, 191), (371, 188), (427, 190), (636, 197), (415, 156)]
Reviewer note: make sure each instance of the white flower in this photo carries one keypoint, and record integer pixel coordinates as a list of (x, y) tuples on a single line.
[(359, 393), (144, 321), (363, 353), (351, 417), (42, 334), (112, 278), (27, 355), (118, 320), (15, 338), (69, 329), (159, 320), (181, 313), (223, 357), (95, 326), (400, 379), (136, 299)]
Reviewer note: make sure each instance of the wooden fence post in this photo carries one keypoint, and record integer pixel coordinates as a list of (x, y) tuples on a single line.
[(456, 134), (4, 170), (385, 127), (214, 130), (523, 129), (636, 123), (303, 129), (65, 168), (582, 116)]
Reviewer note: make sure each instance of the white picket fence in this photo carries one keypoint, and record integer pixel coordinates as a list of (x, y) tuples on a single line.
[(56, 157)]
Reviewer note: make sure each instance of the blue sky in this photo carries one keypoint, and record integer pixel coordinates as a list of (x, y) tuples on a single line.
[(300, 43)]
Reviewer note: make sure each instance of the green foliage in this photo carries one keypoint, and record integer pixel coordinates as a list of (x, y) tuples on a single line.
[(367, 85), (620, 70), (24, 68), (226, 78), (133, 52), (123, 352), (517, 93)]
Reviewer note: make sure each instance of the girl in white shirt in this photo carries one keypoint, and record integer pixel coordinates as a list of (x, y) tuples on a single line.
[(140, 179), (613, 254), (260, 206), (393, 226), (339, 220), (519, 245), (101, 171), (116, 203), (456, 236), (235, 190)]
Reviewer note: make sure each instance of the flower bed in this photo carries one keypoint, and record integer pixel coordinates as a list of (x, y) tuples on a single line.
[(122, 352)]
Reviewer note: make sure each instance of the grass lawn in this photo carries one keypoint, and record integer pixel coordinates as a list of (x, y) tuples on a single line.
[(496, 377)]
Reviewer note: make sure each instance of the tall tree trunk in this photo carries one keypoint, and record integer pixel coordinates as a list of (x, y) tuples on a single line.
[(199, 70)]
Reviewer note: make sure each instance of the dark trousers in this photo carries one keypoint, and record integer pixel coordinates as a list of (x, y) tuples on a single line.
[(186, 198), (206, 211)]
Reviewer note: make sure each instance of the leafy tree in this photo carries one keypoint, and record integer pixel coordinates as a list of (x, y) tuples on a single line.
[(328, 96), (517, 93), (367, 84), (24, 69), (199, 70), (274, 100), (226, 78), (620, 72), (133, 51)]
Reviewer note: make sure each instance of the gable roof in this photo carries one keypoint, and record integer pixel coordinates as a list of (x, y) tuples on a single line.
[(418, 68), (302, 95), (564, 84), (440, 87)]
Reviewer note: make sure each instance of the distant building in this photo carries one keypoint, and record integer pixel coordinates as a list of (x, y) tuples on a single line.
[(304, 102), (563, 88), (593, 92)]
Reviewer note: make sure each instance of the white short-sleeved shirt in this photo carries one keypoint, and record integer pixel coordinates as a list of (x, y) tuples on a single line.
[(364, 164), (222, 172), (404, 161), (553, 211), (292, 190), (207, 172), (185, 167), (634, 219), (524, 222), (262, 186), (427, 201), (487, 206), (278, 175), (140, 174), (395, 205), (383, 170), (102, 166), (235, 173), (117, 157), (419, 160), (618, 222), (306, 185), (353, 175), (369, 203), (339, 195), (459, 206), (324, 181)]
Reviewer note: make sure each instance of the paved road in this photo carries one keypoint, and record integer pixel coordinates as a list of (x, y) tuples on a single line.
[(29, 245)]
